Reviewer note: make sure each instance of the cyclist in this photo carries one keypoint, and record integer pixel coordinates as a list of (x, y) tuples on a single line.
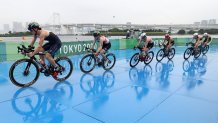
[(104, 45), (197, 39), (148, 43), (52, 46), (168, 42), (206, 39)]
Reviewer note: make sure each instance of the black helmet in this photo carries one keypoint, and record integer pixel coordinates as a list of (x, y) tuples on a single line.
[(96, 34), (33, 25)]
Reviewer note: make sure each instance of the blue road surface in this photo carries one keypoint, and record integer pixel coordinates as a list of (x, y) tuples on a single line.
[(176, 91)]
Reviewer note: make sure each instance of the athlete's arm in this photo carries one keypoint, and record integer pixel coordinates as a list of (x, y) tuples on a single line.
[(101, 40), (93, 44), (139, 42), (41, 41), (146, 43), (33, 40)]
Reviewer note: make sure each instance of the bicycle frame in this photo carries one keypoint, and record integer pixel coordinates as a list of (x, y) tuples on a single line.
[(25, 50)]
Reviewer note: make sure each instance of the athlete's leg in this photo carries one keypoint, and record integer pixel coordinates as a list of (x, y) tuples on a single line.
[(51, 53)]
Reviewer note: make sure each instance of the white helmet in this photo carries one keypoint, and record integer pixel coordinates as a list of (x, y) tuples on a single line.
[(205, 34), (143, 34), (195, 35)]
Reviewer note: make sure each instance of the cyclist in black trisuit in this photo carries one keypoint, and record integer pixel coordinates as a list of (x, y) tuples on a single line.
[(52, 46), (206, 39), (104, 44)]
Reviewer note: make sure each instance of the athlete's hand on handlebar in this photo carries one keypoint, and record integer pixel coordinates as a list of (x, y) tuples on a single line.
[(29, 54), (89, 49)]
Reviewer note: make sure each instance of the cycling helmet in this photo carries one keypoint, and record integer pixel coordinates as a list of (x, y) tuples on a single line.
[(167, 36), (143, 35), (205, 34), (96, 34), (195, 35), (33, 25)]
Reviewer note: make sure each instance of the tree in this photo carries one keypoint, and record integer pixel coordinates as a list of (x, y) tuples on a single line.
[(115, 30), (191, 32), (181, 32), (201, 31)]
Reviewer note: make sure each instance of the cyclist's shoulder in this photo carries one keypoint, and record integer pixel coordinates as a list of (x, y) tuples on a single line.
[(200, 37), (44, 33), (102, 38), (149, 38)]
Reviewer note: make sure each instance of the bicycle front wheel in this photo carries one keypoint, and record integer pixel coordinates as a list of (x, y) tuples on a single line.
[(134, 60), (197, 53), (187, 53), (111, 59), (87, 64), (24, 72), (66, 68), (160, 55)]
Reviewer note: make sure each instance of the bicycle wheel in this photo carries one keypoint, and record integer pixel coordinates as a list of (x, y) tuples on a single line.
[(197, 53), (147, 71), (64, 90), (205, 49), (87, 64), (133, 74), (187, 53), (171, 53), (186, 66), (160, 55), (107, 65), (24, 72), (159, 67), (149, 57), (26, 105), (87, 83), (108, 79), (170, 65), (134, 60), (66, 70)]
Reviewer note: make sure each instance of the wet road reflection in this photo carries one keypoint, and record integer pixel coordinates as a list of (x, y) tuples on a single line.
[(163, 71), (97, 86), (193, 71), (140, 77), (40, 107)]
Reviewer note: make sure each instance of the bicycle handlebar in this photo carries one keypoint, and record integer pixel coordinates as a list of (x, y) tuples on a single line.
[(24, 49), (93, 50), (137, 47)]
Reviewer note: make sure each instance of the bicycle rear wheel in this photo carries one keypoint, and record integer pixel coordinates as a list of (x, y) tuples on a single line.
[(205, 49), (171, 53), (24, 72), (87, 64), (66, 68), (107, 65), (149, 57)]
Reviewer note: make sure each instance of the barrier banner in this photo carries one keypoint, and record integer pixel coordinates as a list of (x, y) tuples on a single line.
[(8, 50)]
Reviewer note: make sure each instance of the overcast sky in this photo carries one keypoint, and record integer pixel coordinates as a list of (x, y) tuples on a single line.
[(109, 11)]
